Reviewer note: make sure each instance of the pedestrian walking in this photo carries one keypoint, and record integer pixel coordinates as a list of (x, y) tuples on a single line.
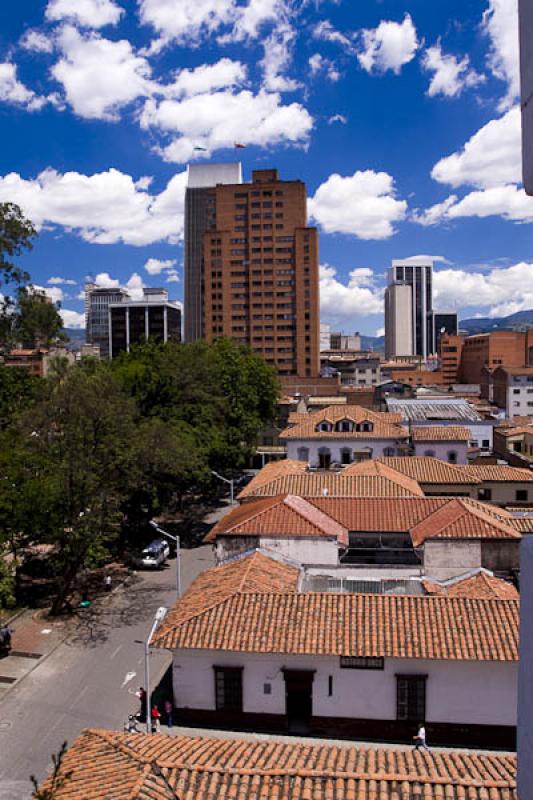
[(420, 738), (141, 694), (156, 719), (169, 713), (107, 583)]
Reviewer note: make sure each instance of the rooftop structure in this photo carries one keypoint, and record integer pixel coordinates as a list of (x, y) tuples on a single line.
[(434, 410), (104, 764)]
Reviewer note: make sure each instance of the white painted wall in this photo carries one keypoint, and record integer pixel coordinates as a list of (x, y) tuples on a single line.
[(336, 446), (477, 692), (525, 680), (442, 450)]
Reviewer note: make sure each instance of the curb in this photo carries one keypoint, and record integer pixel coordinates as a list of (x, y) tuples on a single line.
[(13, 686), (15, 616)]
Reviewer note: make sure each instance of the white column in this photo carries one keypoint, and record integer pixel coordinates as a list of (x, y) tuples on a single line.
[(146, 324), (165, 324), (127, 330)]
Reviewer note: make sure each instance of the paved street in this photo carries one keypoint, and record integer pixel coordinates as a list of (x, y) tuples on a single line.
[(88, 681)]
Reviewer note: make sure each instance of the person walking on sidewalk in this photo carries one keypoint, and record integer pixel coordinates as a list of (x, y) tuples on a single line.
[(141, 694), (169, 712), (155, 715)]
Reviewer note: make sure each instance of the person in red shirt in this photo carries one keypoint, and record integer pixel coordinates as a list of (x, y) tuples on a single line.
[(156, 719)]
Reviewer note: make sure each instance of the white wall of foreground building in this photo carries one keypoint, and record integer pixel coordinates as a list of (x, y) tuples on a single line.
[(525, 678), (471, 692)]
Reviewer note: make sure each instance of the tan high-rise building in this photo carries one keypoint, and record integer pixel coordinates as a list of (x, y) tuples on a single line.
[(260, 272)]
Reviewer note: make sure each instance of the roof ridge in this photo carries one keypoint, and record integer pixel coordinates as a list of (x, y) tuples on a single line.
[(266, 502), (296, 502), (110, 738), (479, 512), (323, 774)]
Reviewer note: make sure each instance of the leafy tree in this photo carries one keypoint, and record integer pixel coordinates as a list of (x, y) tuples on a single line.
[(17, 390), (36, 320), (16, 234), (79, 441)]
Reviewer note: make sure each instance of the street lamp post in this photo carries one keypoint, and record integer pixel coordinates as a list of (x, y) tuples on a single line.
[(159, 617), (176, 540), (226, 480)]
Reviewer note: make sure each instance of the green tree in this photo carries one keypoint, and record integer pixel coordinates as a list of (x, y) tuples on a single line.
[(36, 320), (17, 391), (16, 234), (79, 441)]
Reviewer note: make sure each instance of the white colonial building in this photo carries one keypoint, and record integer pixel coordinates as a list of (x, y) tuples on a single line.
[(342, 434), (251, 650)]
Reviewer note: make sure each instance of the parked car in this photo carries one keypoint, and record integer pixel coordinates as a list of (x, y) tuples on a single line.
[(154, 554)]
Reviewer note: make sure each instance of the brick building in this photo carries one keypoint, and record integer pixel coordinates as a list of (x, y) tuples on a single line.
[(259, 272), (491, 350)]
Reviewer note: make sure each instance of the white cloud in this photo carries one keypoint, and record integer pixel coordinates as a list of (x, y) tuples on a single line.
[(14, 92), (55, 294), (337, 118), (155, 266), (99, 76), (37, 42), (172, 276), (319, 64), (492, 156), (105, 280), (135, 286), (363, 204), (277, 57), (325, 31), (89, 13), (207, 77), (65, 281), (253, 16), (342, 303), (186, 20), (103, 208), (434, 214), (500, 22), (450, 75), (218, 120), (72, 319), (389, 46), (380, 332), (509, 202), (501, 291)]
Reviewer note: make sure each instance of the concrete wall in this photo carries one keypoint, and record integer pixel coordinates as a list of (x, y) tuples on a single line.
[(305, 550), (457, 691), (451, 489), (446, 559), (335, 446), (505, 493), (442, 450), (500, 555)]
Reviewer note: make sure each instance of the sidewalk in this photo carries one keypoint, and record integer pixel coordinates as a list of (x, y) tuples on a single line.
[(33, 640)]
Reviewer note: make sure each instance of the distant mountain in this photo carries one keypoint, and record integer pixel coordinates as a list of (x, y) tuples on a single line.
[(375, 343), (76, 337), (514, 322)]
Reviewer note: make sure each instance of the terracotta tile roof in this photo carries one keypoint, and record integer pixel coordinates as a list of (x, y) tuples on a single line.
[(397, 626), (522, 524), (482, 585), (516, 431), (335, 484), (272, 470), (385, 425), (372, 467), (498, 472), (441, 433), (108, 764), (425, 469), (460, 519), (287, 515)]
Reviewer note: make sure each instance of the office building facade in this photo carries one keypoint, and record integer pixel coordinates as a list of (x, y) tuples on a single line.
[(442, 323), (258, 272), (97, 303), (134, 322), (398, 320), (416, 274), (200, 199)]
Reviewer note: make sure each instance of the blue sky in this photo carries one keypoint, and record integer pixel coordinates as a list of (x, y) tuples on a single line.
[(401, 117)]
